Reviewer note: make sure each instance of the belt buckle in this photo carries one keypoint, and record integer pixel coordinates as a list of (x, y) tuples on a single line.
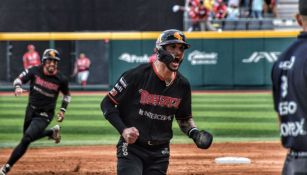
[(149, 142)]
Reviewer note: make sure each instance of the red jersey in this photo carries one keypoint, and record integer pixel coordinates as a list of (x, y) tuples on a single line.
[(220, 11), (198, 12), (31, 59), (83, 64)]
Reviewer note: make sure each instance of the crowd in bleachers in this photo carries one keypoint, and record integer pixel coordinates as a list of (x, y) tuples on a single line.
[(231, 14)]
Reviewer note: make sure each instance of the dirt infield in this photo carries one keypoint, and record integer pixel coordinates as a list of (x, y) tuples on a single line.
[(267, 159)]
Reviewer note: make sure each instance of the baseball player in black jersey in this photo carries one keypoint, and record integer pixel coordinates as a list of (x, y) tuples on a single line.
[(143, 104), (289, 79), (45, 84)]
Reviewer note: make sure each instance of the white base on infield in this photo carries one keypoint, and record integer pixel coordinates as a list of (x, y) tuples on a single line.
[(232, 160)]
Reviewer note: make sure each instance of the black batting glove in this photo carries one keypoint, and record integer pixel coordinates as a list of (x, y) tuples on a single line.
[(202, 139)]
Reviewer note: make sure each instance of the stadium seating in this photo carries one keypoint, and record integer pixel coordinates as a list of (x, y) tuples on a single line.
[(229, 25), (254, 25), (267, 24), (241, 25)]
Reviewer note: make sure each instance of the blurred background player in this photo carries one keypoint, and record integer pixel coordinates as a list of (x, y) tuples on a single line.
[(81, 69), (45, 84), (31, 57), (143, 104), (289, 79)]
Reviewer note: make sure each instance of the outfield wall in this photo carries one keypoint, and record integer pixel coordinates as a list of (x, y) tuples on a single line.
[(216, 59)]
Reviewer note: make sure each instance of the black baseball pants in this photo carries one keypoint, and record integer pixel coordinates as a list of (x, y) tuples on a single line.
[(135, 159), (34, 129), (295, 165)]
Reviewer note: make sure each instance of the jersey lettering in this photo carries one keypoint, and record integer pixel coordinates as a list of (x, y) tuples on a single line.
[(293, 128), (154, 116), (118, 87), (123, 82), (158, 100), (284, 86), (286, 108), (113, 92), (287, 65), (43, 92), (46, 84)]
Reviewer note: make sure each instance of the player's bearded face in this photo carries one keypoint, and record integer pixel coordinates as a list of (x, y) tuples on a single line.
[(51, 66), (177, 50)]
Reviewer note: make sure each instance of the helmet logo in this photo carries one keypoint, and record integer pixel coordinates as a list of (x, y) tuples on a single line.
[(178, 36), (52, 54)]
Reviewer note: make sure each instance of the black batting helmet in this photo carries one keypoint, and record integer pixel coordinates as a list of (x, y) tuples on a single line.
[(171, 36), (51, 54)]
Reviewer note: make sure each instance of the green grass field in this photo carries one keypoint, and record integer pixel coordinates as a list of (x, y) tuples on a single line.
[(229, 116)]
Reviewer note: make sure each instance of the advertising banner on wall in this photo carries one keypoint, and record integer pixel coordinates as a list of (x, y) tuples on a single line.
[(209, 62)]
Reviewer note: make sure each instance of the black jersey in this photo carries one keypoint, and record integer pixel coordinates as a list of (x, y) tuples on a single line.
[(44, 89), (145, 102), (289, 78)]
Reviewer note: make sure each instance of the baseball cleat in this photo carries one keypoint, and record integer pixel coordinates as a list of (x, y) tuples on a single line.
[(5, 169), (56, 135)]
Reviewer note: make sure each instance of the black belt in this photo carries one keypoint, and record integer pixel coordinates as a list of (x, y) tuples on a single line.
[(302, 154), (152, 142)]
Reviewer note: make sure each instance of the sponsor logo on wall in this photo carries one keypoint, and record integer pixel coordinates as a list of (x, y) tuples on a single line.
[(198, 58), (255, 57), (195, 58), (130, 58), (205, 58)]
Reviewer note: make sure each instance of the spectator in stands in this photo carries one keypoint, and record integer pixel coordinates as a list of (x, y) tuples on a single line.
[(199, 16), (257, 9), (82, 66), (209, 4), (267, 11), (233, 2), (274, 8), (233, 12), (270, 8), (245, 8), (220, 10), (31, 57), (195, 26)]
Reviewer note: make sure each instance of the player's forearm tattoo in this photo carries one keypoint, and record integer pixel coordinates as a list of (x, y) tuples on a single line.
[(186, 125)]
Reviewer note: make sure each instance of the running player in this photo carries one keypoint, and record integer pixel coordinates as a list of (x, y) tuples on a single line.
[(45, 84), (143, 104)]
